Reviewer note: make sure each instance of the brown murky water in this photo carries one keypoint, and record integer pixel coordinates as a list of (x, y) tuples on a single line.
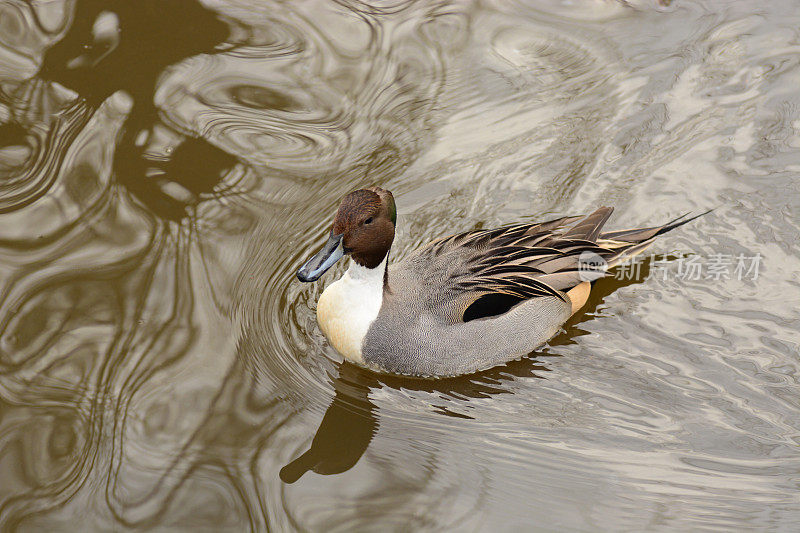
[(166, 165)]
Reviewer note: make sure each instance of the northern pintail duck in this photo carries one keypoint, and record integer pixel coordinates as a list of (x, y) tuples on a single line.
[(465, 302)]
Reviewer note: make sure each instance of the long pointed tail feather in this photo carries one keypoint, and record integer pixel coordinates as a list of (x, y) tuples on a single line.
[(643, 234), (635, 241)]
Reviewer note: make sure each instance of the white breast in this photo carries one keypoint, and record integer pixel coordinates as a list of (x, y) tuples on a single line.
[(349, 306)]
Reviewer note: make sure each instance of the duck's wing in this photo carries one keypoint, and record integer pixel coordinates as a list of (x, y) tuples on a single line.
[(478, 274)]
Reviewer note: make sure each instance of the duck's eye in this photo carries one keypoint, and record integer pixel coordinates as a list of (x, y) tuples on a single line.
[(368, 221)]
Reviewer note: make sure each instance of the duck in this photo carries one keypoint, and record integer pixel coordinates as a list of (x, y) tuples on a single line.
[(464, 302)]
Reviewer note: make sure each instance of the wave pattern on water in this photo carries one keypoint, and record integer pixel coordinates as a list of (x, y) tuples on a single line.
[(160, 182)]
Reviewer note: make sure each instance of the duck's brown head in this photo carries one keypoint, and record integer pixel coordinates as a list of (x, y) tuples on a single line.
[(363, 228)]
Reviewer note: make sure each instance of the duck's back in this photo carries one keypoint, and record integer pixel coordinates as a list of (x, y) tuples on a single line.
[(480, 298), (420, 329)]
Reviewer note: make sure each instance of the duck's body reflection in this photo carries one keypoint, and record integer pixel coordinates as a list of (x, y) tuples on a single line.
[(345, 431)]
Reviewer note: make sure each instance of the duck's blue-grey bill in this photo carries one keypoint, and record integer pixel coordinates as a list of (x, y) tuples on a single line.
[(323, 260)]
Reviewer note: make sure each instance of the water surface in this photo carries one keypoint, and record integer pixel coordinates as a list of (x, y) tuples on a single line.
[(166, 166)]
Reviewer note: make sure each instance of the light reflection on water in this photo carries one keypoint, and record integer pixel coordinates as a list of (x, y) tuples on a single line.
[(160, 367)]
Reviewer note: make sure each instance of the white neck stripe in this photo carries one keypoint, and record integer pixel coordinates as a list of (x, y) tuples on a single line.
[(349, 306)]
